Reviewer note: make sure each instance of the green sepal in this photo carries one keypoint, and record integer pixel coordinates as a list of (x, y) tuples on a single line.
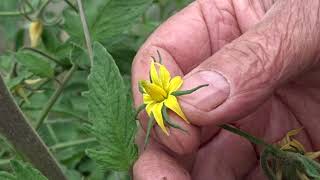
[(264, 162), (140, 87), (150, 126), (150, 79), (181, 93), (160, 58), (168, 120), (289, 163), (139, 109)]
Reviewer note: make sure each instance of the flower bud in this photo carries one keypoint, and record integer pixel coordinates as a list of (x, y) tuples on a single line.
[(35, 31)]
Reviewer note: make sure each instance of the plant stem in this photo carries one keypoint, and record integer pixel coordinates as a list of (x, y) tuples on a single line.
[(86, 31), (13, 13), (54, 97), (246, 135), (16, 129), (52, 133), (78, 118), (71, 5), (43, 7), (65, 145)]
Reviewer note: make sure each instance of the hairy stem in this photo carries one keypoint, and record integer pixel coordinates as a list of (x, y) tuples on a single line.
[(246, 135), (65, 145), (54, 98), (16, 129), (86, 31)]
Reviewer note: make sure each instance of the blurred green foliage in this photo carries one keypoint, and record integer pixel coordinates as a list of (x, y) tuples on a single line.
[(33, 82)]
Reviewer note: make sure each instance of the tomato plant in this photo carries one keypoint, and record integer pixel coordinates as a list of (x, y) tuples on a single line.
[(65, 96)]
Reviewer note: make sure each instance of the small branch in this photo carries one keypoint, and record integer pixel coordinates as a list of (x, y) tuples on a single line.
[(16, 129), (52, 133), (78, 118), (13, 13), (54, 98), (86, 31), (28, 4), (43, 7), (65, 145), (71, 5)]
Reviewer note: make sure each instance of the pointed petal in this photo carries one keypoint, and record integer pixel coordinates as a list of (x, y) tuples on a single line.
[(175, 84), (154, 74), (158, 117), (155, 92), (165, 77), (297, 145), (147, 99), (149, 108), (172, 103), (313, 155)]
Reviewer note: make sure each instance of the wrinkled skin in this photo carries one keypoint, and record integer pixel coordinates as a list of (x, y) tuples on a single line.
[(260, 59)]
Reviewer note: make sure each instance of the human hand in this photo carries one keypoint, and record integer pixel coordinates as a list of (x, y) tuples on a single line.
[(261, 61)]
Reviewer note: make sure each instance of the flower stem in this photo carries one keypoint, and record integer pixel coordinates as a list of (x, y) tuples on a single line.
[(54, 97), (86, 31), (65, 145), (246, 135), (181, 93)]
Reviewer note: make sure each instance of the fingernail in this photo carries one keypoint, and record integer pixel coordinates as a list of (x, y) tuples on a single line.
[(206, 98)]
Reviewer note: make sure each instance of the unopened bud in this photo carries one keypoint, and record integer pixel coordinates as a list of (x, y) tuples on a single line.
[(35, 31)]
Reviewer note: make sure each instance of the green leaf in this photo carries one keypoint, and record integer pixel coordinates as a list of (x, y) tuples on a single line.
[(22, 171), (35, 64), (6, 64), (13, 82), (106, 18), (111, 113)]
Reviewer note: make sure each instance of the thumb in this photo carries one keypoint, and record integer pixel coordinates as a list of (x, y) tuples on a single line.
[(244, 73)]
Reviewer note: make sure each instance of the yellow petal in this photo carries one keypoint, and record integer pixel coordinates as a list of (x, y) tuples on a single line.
[(154, 74), (165, 77), (293, 133), (150, 107), (158, 117), (285, 146), (175, 84), (313, 155), (155, 92), (35, 31), (297, 145), (172, 103), (147, 99)]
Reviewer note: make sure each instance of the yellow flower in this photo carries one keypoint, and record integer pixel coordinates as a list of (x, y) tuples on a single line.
[(158, 92), (35, 31), (288, 143)]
